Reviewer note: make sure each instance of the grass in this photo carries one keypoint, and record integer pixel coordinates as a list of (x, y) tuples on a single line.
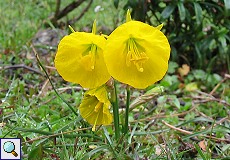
[(32, 111)]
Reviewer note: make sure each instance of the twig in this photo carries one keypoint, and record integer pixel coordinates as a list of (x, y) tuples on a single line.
[(67, 88), (82, 13), (205, 94), (146, 97), (215, 88), (45, 102), (222, 120), (177, 129), (226, 76), (209, 99), (50, 67), (204, 115), (159, 116), (16, 66), (69, 8), (216, 123), (58, 4), (62, 90), (44, 87), (188, 132), (59, 14)]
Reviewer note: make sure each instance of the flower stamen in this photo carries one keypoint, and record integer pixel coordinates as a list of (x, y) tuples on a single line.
[(89, 59), (97, 108), (92, 61), (135, 55)]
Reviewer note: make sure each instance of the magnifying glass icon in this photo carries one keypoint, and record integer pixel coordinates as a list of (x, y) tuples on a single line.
[(9, 147)]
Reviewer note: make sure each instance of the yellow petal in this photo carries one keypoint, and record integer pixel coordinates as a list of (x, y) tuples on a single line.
[(80, 59), (95, 107), (149, 57)]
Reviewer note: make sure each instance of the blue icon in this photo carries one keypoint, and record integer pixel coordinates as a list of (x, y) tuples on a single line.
[(9, 147)]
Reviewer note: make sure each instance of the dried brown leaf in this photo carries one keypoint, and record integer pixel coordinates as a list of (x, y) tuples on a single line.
[(203, 145), (184, 70)]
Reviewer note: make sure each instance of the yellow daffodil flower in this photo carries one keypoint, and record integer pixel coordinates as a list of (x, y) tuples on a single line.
[(95, 107), (80, 59), (137, 54)]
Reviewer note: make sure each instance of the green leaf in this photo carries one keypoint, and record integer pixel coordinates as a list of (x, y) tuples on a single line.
[(198, 11), (227, 4), (172, 67), (199, 74), (116, 3), (176, 102), (133, 3), (156, 90), (200, 152), (36, 153), (102, 148), (225, 147), (36, 118), (167, 11), (181, 9), (191, 87), (106, 133), (222, 40)]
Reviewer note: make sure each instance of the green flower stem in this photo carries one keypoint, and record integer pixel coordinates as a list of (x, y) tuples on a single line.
[(47, 75), (127, 110), (55, 134), (116, 112)]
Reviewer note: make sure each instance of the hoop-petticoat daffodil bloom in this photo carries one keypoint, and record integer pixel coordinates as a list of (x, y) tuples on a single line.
[(80, 59), (137, 54), (95, 106)]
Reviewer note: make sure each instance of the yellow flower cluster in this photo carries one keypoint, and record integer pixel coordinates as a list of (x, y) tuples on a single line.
[(135, 53)]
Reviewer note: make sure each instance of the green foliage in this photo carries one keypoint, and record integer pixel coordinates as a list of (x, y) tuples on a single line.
[(198, 31), (17, 21)]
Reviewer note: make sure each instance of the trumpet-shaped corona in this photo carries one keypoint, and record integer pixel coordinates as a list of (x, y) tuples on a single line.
[(80, 59), (137, 54), (95, 107)]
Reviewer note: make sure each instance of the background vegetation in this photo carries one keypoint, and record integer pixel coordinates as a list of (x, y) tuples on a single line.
[(190, 120)]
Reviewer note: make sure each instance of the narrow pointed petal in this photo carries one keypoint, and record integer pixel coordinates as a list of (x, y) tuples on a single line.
[(128, 16), (159, 27)]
